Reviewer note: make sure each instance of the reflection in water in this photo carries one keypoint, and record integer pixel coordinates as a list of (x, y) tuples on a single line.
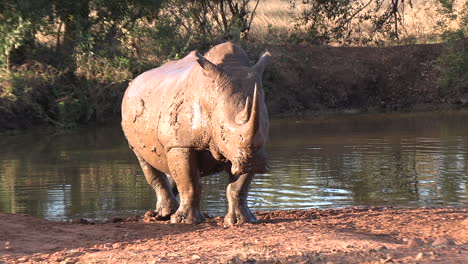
[(386, 159)]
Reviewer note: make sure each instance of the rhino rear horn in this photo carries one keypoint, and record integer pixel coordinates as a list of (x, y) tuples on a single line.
[(210, 69), (264, 60)]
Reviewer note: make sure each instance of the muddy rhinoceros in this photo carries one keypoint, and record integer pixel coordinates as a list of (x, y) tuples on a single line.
[(194, 117)]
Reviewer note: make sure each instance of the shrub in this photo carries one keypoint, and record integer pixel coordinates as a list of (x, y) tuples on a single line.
[(453, 63)]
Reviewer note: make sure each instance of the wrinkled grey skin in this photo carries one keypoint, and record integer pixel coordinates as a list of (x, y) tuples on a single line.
[(195, 117)]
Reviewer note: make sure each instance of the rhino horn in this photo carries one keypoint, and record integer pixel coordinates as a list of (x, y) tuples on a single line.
[(252, 125), (243, 116)]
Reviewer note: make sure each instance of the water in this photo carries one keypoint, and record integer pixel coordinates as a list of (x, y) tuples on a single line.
[(416, 159)]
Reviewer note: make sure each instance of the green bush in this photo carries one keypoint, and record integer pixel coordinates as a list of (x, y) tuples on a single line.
[(453, 63), (453, 66)]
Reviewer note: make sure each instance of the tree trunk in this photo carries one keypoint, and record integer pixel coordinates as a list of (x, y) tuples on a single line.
[(75, 17)]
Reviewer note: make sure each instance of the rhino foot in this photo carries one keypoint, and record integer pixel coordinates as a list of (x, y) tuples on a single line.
[(165, 210), (190, 216), (240, 215)]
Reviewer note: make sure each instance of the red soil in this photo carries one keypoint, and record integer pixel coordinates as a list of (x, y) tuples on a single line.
[(352, 235)]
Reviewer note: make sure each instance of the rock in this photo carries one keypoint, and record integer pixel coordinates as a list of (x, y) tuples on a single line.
[(81, 221), (244, 256), (150, 214), (414, 243), (234, 260), (135, 218), (68, 261), (388, 259), (107, 245), (116, 245), (149, 217), (117, 220), (7, 245), (382, 248), (443, 241), (195, 257), (419, 256)]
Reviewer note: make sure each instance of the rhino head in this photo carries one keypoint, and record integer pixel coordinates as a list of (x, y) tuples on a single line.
[(239, 118)]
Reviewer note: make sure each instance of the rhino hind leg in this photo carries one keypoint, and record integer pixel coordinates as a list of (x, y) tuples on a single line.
[(166, 204), (184, 166), (236, 193)]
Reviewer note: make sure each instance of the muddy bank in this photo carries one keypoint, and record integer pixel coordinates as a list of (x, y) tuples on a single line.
[(317, 78), (351, 235)]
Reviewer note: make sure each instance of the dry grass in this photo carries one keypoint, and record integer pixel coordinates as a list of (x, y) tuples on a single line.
[(272, 12), (275, 18)]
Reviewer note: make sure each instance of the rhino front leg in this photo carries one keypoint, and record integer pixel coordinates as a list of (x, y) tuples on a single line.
[(166, 204), (183, 164), (237, 191), (173, 185)]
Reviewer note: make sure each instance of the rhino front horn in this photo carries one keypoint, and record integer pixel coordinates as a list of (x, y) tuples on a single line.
[(252, 125)]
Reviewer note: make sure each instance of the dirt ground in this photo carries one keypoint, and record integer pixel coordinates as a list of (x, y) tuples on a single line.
[(351, 235)]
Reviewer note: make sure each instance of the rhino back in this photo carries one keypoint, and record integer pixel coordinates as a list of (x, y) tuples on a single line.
[(147, 106)]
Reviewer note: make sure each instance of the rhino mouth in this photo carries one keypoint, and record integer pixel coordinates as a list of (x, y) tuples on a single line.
[(255, 165)]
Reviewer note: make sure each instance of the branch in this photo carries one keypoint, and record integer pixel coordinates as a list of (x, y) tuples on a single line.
[(223, 15), (253, 14)]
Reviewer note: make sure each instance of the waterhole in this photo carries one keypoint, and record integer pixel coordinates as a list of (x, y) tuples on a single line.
[(409, 160)]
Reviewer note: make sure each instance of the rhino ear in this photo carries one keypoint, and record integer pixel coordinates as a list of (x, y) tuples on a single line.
[(209, 68), (264, 60)]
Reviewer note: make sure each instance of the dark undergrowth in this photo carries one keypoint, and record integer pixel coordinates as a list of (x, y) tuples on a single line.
[(302, 79), (77, 74)]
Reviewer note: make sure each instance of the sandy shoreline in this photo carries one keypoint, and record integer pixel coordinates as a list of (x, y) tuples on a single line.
[(350, 235)]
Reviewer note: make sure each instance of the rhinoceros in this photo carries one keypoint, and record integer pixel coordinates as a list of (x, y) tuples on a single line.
[(194, 117)]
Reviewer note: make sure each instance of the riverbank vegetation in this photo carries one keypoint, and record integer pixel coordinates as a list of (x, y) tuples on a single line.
[(67, 63)]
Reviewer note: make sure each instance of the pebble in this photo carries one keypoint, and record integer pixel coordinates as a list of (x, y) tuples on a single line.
[(382, 248), (389, 259), (414, 243), (7, 245), (244, 256), (420, 256), (116, 245), (443, 241), (67, 261), (107, 245), (234, 260), (81, 221)]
